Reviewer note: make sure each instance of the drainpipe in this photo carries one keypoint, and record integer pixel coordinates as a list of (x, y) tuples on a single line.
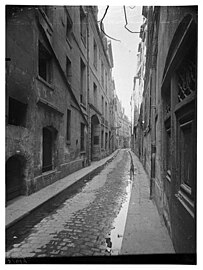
[(88, 88)]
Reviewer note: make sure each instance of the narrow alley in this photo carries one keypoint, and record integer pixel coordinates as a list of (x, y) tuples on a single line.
[(109, 214), (101, 134), (81, 225)]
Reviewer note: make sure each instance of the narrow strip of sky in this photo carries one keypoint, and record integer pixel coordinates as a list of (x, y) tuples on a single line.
[(124, 52)]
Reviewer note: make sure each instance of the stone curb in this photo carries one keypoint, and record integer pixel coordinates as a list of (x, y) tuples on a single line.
[(145, 232)]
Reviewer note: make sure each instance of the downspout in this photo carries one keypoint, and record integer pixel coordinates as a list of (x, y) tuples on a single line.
[(88, 90)]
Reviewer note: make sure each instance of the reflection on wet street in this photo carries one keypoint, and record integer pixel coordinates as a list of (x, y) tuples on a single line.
[(87, 221), (116, 235)]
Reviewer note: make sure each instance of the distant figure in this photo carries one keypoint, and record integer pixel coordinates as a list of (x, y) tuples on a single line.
[(131, 171), (131, 167)]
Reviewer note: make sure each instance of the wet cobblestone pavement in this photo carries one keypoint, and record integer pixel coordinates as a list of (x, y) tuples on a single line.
[(81, 225)]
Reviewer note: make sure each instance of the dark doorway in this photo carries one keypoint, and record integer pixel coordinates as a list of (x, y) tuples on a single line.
[(47, 150), (14, 177), (95, 138)]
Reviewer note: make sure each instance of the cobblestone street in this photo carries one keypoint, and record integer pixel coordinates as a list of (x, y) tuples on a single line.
[(82, 224)]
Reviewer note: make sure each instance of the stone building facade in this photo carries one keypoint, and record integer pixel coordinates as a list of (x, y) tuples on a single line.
[(100, 89), (59, 94), (138, 88), (167, 126), (122, 125)]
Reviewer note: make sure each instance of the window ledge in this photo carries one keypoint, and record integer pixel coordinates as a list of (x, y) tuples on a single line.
[(186, 202), (68, 142), (69, 42), (83, 105), (49, 172), (45, 82), (83, 40)]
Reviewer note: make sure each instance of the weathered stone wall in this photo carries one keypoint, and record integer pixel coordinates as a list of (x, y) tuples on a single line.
[(47, 103)]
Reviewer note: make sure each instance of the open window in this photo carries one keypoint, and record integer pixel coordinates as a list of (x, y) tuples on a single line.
[(17, 112), (82, 137), (44, 63)]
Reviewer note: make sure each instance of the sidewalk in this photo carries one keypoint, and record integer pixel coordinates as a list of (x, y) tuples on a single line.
[(145, 232), (23, 205)]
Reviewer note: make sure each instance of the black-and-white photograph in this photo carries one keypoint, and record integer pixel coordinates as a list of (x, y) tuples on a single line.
[(101, 134)]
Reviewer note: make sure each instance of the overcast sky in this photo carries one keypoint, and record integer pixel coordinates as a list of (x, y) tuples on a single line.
[(124, 52)]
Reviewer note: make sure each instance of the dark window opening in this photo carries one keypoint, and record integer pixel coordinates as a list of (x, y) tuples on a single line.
[(106, 140), (17, 113), (68, 69), (14, 177), (102, 139), (82, 137), (45, 63), (95, 94), (186, 154), (105, 110), (95, 54), (82, 81), (96, 140), (102, 105), (106, 79), (47, 150), (68, 126), (81, 98)]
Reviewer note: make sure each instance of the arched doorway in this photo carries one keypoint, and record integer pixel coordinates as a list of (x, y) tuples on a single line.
[(15, 166), (95, 138)]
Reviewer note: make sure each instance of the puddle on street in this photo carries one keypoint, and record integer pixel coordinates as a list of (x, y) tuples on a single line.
[(15, 234), (114, 240)]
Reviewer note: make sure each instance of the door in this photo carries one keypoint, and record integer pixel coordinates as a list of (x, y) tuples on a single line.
[(13, 178), (47, 150)]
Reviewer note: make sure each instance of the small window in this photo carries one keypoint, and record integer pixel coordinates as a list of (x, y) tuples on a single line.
[(82, 81), (106, 110), (95, 54), (68, 126), (95, 94), (106, 80), (17, 113), (68, 70), (102, 139), (106, 140), (102, 105), (83, 25), (45, 63), (82, 137)]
